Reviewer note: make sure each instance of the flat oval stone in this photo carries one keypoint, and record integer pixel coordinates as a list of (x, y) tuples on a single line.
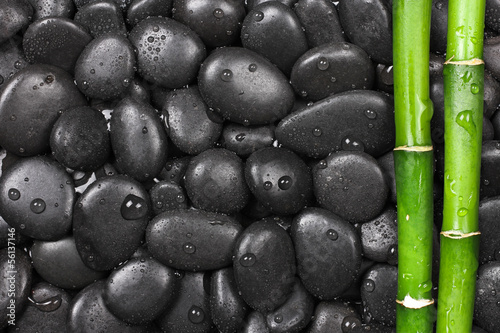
[(59, 263), (331, 69), (321, 21), (138, 139), (227, 308), (102, 17), (53, 8), (217, 22), (12, 60), (88, 313), (190, 311), (353, 120), (273, 30), (329, 316), (141, 9), (214, 181), (79, 139), (380, 236), (490, 178), (15, 15), (351, 185), (15, 283), (378, 292), (55, 41), (167, 195), (189, 126), (244, 140), (237, 82), (140, 290), (105, 68), (46, 310), (369, 25), (193, 239), (30, 104), (37, 198), (176, 51), (264, 265), (279, 179), (328, 252), (109, 221)]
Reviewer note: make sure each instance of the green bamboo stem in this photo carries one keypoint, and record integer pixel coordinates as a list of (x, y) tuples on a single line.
[(413, 161), (463, 88)]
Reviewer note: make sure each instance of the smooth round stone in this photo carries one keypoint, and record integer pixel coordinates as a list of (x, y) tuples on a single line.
[(14, 16), (138, 139), (46, 310), (217, 22), (227, 308), (190, 311), (79, 139), (279, 179), (88, 313), (142, 9), (328, 252), (167, 195), (140, 290), (109, 221), (193, 240), (176, 51), (489, 214), (490, 178), (369, 25), (55, 41), (487, 296), (105, 68), (189, 126), (101, 18), (30, 104), (360, 120), (254, 322), (15, 284), (215, 181), (12, 60), (236, 83), (274, 31), (60, 264), (380, 236), (37, 197), (378, 292), (351, 185), (329, 316), (264, 265), (244, 140), (321, 21), (52, 8), (331, 69)]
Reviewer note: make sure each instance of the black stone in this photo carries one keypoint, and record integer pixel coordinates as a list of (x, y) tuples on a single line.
[(490, 178), (142, 9), (167, 195), (329, 316), (487, 297), (53, 8), (244, 140), (16, 15), (379, 237), (102, 17)]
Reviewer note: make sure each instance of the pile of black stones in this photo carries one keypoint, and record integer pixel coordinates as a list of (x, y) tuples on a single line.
[(214, 166)]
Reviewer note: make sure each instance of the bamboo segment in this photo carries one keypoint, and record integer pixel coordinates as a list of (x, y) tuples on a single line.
[(413, 161)]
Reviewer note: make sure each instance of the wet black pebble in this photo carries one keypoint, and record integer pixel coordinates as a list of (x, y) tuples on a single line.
[(328, 252), (16, 15), (255, 322), (193, 239), (140, 290), (379, 237), (188, 124), (331, 69), (488, 297), (12, 60), (360, 120), (252, 3), (279, 179), (217, 22), (350, 184), (37, 198), (53, 8), (237, 83), (141, 9), (174, 170), (491, 15), (80, 140), (227, 308), (386, 163), (491, 95), (264, 265), (105, 68), (273, 30), (215, 181), (329, 316), (123, 4), (109, 221), (55, 41), (439, 26), (46, 310), (490, 178), (102, 17), (60, 264), (19, 239), (491, 52), (378, 293), (244, 140), (489, 214), (96, 317), (167, 195), (138, 139), (168, 52), (41, 90)]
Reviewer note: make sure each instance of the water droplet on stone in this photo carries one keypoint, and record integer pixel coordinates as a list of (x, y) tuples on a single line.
[(180, 198), (49, 305), (352, 144), (37, 206), (392, 255), (189, 248), (14, 194), (151, 39), (218, 13), (226, 75), (133, 208), (323, 64), (317, 131), (322, 164), (252, 67), (144, 130), (370, 114), (49, 79), (285, 182), (13, 118), (486, 182), (268, 185), (248, 260), (258, 16), (196, 315), (350, 324), (156, 28), (369, 285), (240, 137), (332, 234), (278, 318)]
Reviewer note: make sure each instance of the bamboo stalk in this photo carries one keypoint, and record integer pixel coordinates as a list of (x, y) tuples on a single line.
[(463, 88), (413, 161)]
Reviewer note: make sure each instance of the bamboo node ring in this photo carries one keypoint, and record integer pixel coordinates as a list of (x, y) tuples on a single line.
[(415, 148), (458, 234), (411, 303), (471, 62)]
